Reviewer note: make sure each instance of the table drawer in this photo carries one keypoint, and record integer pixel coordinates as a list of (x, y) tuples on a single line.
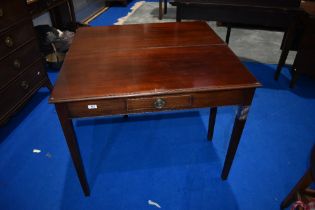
[(158, 103), (16, 63), (11, 11), (96, 107), (103, 107), (123, 106), (21, 88), (12, 39)]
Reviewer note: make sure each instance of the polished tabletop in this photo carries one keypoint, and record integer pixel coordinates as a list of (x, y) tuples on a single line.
[(148, 59)]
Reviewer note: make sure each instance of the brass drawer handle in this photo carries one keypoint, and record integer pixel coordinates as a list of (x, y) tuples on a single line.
[(24, 85), (17, 64), (1, 12), (159, 103), (9, 41)]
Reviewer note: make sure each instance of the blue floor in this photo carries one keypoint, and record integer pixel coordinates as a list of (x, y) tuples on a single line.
[(113, 13), (161, 157)]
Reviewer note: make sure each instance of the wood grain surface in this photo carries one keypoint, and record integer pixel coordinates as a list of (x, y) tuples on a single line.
[(196, 60)]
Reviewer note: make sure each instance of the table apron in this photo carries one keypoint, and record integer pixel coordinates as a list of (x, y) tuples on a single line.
[(155, 103), (273, 17)]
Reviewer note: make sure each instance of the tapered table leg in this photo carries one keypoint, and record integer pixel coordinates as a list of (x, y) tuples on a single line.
[(212, 116), (239, 124), (73, 146), (303, 183)]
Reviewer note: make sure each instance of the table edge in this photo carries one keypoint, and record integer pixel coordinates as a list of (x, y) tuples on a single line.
[(51, 100)]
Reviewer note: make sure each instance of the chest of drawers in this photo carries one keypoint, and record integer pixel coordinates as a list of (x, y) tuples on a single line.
[(22, 70)]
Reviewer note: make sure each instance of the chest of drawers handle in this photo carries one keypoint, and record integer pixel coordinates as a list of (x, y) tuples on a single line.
[(9, 41), (17, 64), (25, 85), (1, 12), (159, 103)]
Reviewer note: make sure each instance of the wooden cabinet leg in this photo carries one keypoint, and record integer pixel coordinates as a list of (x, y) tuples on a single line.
[(303, 183), (178, 13), (160, 9), (48, 85), (73, 146), (295, 75), (165, 6), (239, 124), (228, 34), (283, 58), (212, 117), (286, 44)]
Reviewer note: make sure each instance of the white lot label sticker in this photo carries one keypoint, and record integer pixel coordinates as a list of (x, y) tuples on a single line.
[(92, 106)]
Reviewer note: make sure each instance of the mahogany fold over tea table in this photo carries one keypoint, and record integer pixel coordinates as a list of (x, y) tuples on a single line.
[(119, 70)]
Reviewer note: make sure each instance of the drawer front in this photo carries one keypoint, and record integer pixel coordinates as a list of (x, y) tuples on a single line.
[(223, 98), (97, 108), (123, 106), (158, 103), (17, 62), (11, 11), (12, 39), (24, 85)]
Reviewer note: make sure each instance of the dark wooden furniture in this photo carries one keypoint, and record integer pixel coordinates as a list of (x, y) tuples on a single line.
[(109, 2), (303, 184), (279, 15), (61, 12), (304, 44), (22, 70), (150, 68)]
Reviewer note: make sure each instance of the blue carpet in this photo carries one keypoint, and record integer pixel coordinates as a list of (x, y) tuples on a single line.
[(163, 157), (112, 14)]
